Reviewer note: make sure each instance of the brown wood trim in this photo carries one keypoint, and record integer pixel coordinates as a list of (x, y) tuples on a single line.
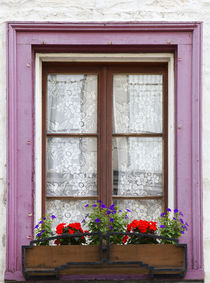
[(71, 68), (143, 135), (96, 197), (103, 130), (44, 130), (66, 135), (115, 67), (138, 197), (109, 114), (72, 197), (100, 129)]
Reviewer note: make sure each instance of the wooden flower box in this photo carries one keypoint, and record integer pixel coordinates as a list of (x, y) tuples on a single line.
[(151, 259)]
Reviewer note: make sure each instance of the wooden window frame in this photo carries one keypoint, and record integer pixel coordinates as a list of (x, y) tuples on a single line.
[(104, 134), (25, 39)]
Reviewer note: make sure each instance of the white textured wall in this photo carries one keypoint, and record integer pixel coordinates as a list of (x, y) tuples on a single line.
[(107, 10)]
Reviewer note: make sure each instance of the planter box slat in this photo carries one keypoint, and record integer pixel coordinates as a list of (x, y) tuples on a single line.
[(160, 254)]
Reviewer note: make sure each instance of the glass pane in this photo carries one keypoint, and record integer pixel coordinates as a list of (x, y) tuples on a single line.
[(137, 166), (148, 210), (72, 103), (137, 103), (66, 211), (71, 167)]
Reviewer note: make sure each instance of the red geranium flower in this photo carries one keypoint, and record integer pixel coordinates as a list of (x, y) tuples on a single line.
[(60, 227), (142, 226), (71, 229)]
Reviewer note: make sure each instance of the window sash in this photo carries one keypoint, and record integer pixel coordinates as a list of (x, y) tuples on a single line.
[(104, 133)]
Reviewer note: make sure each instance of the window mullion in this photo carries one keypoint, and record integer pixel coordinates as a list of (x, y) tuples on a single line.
[(109, 136), (102, 134)]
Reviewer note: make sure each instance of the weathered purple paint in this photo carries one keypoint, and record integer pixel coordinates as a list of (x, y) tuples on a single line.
[(24, 39)]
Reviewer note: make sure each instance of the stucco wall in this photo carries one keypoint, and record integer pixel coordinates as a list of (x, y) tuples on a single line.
[(107, 10)]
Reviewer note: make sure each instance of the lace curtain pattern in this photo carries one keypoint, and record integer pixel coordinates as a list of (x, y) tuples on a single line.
[(137, 101), (72, 103), (67, 211), (71, 167), (145, 209), (137, 166)]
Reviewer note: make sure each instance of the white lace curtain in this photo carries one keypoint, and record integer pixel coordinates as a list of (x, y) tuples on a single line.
[(72, 162)]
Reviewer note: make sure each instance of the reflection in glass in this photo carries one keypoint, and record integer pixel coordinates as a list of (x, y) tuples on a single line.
[(71, 167), (137, 166), (71, 103), (137, 103)]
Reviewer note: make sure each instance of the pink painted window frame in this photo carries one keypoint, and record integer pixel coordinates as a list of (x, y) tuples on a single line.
[(25, 39)]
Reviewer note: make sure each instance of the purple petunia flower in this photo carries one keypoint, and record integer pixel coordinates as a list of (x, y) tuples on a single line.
[(112, 206), (37, 226), (87, 205), (181, 213), (97, 220), (128, 210), (103, 205), (114, 212), (44, 218), (100, 201), (108, 212), (174, 218), (162, 226), (83, 220), (111, 227), (176, 210), (181, 220), (39, 235), (120, 210), (186, 224), (168, 209), (111, 220), (94, 205), (182, 232), (163, 214), (40, 222), (53, 216), (43, 231), (126, 216)]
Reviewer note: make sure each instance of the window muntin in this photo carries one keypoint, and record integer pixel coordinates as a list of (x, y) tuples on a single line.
[(104, 145)]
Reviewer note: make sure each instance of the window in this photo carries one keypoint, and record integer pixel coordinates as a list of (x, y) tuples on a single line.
[(105, 136), (51, 40)]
